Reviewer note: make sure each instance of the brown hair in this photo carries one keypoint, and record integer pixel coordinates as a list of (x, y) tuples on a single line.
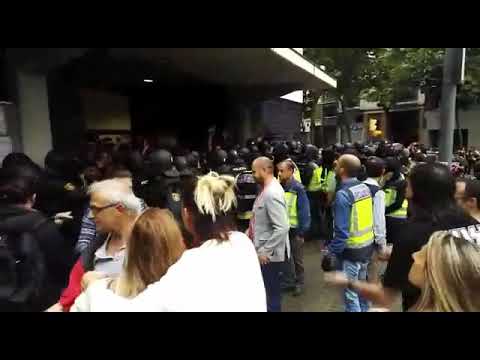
[(156, 244)]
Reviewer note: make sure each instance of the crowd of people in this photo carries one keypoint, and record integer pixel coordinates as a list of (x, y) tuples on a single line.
[(153, 226)]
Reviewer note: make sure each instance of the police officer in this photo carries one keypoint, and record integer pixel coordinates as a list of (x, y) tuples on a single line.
[(244, 154), (311, 175), (281, 153), (246, 189), (193, 161), (163, 187), (218, 162), (236, 163), (352, 245), (62, 192), (396, 204), (299, 217), (136, 165)]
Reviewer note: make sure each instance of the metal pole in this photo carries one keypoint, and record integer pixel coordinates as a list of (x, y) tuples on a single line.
[(452, 64)]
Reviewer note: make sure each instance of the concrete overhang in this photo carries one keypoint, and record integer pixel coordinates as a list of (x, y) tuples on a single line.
[(249, 73), (272, 71)]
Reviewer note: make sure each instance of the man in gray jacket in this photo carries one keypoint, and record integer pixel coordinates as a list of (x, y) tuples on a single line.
[(269, 230)]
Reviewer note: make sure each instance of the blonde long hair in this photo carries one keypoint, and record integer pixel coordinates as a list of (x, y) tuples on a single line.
[(452, 275), (156, 244)]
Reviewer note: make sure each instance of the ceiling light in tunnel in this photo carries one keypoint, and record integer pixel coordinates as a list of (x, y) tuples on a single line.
[(148, 80)]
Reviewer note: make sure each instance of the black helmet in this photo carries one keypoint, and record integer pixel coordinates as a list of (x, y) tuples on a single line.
[(264, 146), (311, 151), (244, 153), (218, 158), (232, 156), (280, 151), (339, 148), (181, 164), (292, 146), (192, 159), (160, 162), (55, 162), (250, 142)]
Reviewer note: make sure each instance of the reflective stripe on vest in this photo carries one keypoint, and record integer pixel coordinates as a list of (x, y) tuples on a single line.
[(316, 181), (390, 197), (247, 215), (361, 218), (291, 199)]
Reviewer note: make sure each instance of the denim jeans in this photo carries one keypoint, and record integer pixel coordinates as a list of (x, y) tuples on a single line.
[(271, 279), (355, 271)]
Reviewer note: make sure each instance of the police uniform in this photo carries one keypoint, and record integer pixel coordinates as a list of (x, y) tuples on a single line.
[(356, 250), (395, 216), (246, 190), (163, 187)]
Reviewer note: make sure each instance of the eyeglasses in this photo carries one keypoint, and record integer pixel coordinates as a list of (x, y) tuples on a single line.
[(95, 210)]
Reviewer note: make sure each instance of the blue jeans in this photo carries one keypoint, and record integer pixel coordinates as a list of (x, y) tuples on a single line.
[(271, 279), (355, 271)]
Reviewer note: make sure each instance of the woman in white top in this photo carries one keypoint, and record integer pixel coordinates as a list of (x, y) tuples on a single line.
[(223, 274)]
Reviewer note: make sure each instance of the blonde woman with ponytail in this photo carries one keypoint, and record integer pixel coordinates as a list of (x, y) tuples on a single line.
[(221, 275), (447, 270)]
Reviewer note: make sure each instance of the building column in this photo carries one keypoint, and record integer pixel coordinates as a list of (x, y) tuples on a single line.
[(33, 115)]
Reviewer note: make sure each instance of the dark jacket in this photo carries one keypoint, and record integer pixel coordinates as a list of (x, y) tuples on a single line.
[(56, 251), (412, 238)]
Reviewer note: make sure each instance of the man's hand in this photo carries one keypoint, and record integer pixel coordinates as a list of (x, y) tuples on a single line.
[(90, 277), (336, 278), (300, 239), (384, 253), (264, 260)]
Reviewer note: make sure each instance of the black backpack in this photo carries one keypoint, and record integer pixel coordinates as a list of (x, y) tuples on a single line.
[(22, 266)]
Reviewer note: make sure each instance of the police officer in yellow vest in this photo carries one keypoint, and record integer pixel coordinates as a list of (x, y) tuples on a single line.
[(299, 216), (314, 181), (281, 153), (396, 205), (353, 240)]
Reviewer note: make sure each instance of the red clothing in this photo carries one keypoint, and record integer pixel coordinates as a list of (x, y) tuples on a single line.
[(74, 288)]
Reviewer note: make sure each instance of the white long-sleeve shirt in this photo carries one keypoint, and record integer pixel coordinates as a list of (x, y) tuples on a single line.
[(216, 277), (379, 225)]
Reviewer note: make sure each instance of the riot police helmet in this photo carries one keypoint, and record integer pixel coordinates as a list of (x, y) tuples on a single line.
[(280, 151), (233, 156), (181, 164), (55, 162), (311, 152), (160, 162)]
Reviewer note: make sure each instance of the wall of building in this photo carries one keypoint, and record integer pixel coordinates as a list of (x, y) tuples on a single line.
[(105, 111), (34, 115), (469, 120)]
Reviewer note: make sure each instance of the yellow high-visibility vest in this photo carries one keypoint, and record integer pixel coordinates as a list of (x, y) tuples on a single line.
[(316, 181), (361, 218), (390, 197), (291, 200)]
